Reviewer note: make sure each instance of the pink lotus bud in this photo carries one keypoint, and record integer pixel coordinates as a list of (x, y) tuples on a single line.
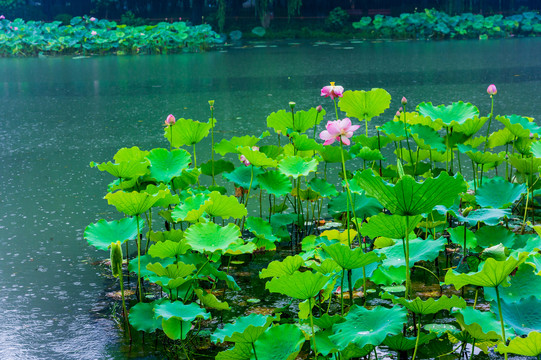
[(398, 113), (15, 28), (491, 90), (2, 17), (532, 135), (92, 19), (170, 120), (404, 101), (319, 108), (93, 33)]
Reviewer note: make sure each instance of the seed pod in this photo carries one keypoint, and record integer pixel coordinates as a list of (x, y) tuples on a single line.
[(116, 259)]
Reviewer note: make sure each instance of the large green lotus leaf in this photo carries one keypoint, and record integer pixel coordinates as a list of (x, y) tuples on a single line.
[(133, 203), (296, 166), (364, 206), (525, 165), (327, 266), (520, 126), (521, 287), (260, 228), (420, 250), (299, 285), (499, 193), (394, 130), (390, 226), (363, 326), (536, 149), (187, 132), (365, 153), (401, 343), (322, 187), (409, 197), (464, 336), (352, 351), (274, 182), (245, 329), (440, 329), (168, 199), (303, 143), (210, 301), (333, 154), (225, 206), (488, 216), (168, 249), (480, 157), (452, 115), (187, 178), (489, 236), (282, 120), (365, 104), (457, 237), (373, 142), (142, 317), (173, 271), (535, 260), (522, 316), (161, 236), (481, 325), (192, 208), (239, 248), (389, 275), (280, 268), (165, 165), (500, 138), (241, 176), (324, 345), (211, 237), (272, 151), (124, 169), (231, 146), (491, 273), (178, 310), (256, 158), (176, 329), (103, 233), (145, 260), (528, 346), (241, 351), (326, 321), (470, 126), (220, 166), (429, 306), (427, 138), (130, 154), (282, 342), (351, 258)]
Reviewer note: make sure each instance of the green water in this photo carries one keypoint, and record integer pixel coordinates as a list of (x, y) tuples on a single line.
[(58, 114)]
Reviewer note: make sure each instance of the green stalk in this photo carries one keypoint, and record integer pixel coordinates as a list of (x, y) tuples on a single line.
[(212, 141), (489, 120), (501, 317), (138, 258), (124, 309), (407, 258), (253, 348), (248, 195), (417, 340), (312, 325), (335, 109), (342, 292), (170, 138), (195, 162), (407, 137)]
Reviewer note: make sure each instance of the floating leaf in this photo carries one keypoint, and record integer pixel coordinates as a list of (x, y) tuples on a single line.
[(103, 233), (390, 226), (529, 346), (363, 326), (165, 165), (507, 192), (299, 285), (142, 317), (296, 166), (351, 258), (245, 329), (364, 105), (186, 132), (274, 182), (211, 237), (280, 268)]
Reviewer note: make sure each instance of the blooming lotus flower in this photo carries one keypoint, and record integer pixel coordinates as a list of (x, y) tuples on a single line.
[(15, 28), (170, 120), (340, 130), (2, 17), (332, 91), (491, 90), (93, 33), (92, 19)]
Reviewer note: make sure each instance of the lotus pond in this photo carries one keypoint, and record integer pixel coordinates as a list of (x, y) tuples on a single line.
[(242, 218)]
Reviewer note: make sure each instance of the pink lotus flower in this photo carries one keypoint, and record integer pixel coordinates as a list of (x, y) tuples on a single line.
[(491, 90), (15, 28), (2, 17), (92, 19), (340, 130), (243, 158), (93, 33), (332, 91), (404, 101), (170, 120), (319, 108)]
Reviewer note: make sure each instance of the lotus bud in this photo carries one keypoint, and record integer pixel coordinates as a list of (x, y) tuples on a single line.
[(532, 135), (319, 108), (93, 33), (2, 17), (467, 210), (15, 28), (116, 259), (292, 105), (211, 103), (491, 90), (404, 101), (397, 114), (92, 19), (170, 120)]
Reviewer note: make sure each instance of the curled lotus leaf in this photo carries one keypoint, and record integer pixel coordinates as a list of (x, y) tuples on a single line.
[(450, 116), (103, 233), (232, 146), (395, 130), (528, 346), (471, 126), (481, 325), (130, 154), (125, 169), (145, 260), (507, 192), (225, 206), (364, 105), (299, 285), (282, 342), (246, 329), (241, 351), (209, 300), (209, 237), (351, 258), (525, 165), (500, 138), (480, 157), (522, 282), (491, 273), (173, 271), (429, 306), (280, 268), (520, 126), (390, 226), (295, 166), (536, 149), (256, 158), (427, 138), (275, 183), (368, 327), (186, 132), (143, 318), (192, 208), (241, 176), (322, 187), (282, 121), (133, 203), (260, 228), (165, 165), (303, 143), (168, 249)]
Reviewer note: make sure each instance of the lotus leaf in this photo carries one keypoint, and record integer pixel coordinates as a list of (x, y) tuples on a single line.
[(500, 138), (427, 138), (520, 126), (324, 345), (457, 237), (351, 258), (274, 182), (220, 166), (507, 192), (323, 187), (333, 154), (466, 338), (124, 169), (525, 165), (241, 176), (429, 306), (374, 142), (168, 199), (522, 282), (168, 249), (142, 317), (401, 343), (490, 217), (192, 208), (133, 203), (145, 260), (172, 276), (187, 178), (420, 250), (335, 234), (394, 130), (491, 273), (241, 351), (303, 143), (480, 157), (296, 166), (522, 316), (327, 266), (103, 233), (536, 149), (187, 132), (282, 342), (409, 197), (450, 116), (326, 321), (232, 146), (165, 165), (210, 301), (225, 206), (282, 120), (256, 158), (178, 310), (363, 327), (364, 105), (364, 206), (299, 285), (130, 154), (488, 236), (245, 329), (471, 126), (481, 325), (390, 226), (280, 268), (260, 228), (209, 237), (441, 329), (528, 346)]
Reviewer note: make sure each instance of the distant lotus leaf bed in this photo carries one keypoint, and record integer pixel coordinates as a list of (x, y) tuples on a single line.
[(413, 238)]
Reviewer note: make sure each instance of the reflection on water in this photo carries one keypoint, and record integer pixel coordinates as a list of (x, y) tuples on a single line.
[(58, 114)]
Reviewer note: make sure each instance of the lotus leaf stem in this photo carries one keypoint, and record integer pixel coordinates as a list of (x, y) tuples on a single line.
[(248, 195), (417, 340), (312, 326), (255, 354), (501, 317), (212, 142), (195, 162), (138, 241), (489, 120)]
